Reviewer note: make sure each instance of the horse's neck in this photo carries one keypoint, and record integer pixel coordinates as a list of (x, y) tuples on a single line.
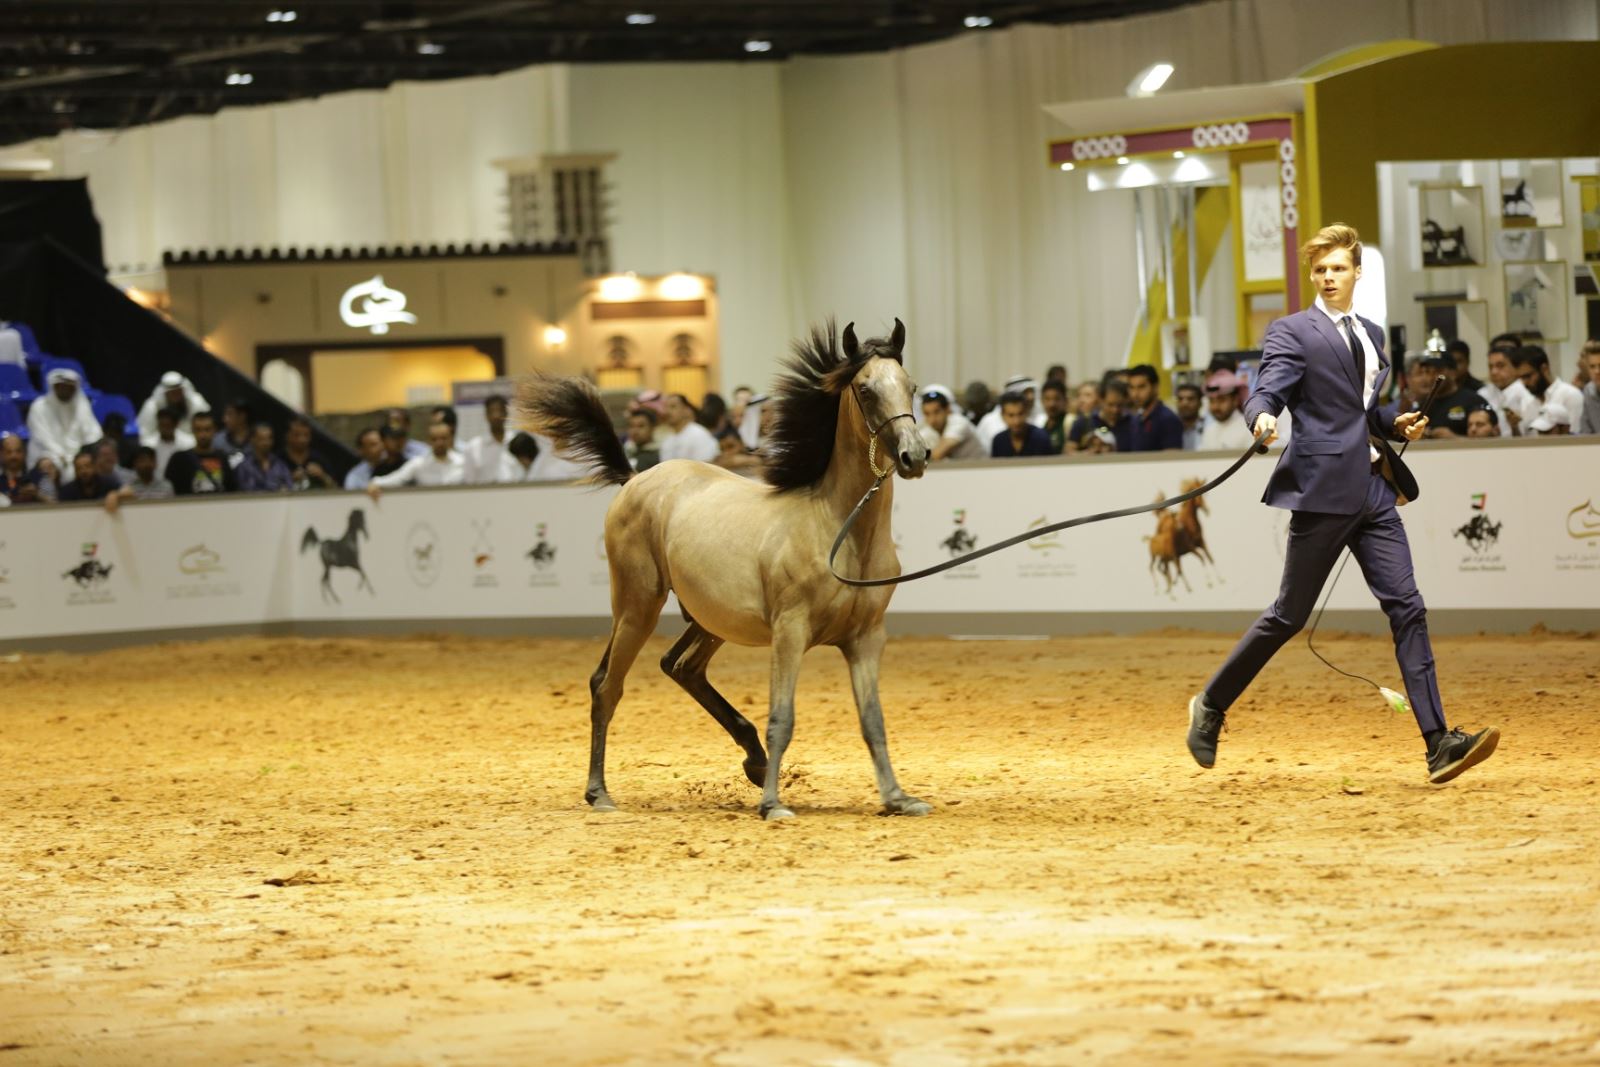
[(849, 473)]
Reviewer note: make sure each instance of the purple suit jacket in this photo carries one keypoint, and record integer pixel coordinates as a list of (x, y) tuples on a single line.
[(1306, 366)]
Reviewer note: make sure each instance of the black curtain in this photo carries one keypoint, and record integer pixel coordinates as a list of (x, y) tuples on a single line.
[(58, 209), (123, 347)]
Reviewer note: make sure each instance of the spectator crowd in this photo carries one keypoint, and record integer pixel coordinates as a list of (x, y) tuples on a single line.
[(69, 449)]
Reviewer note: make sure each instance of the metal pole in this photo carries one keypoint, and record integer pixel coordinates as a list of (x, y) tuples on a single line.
[(1139, 257), (1194, 264), (1164, 220)]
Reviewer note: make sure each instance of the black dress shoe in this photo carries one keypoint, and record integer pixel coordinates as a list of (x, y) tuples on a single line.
[(1455, 751), (1205, 726)]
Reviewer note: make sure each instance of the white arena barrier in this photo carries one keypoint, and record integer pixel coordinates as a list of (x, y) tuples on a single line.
[(1504, 535)]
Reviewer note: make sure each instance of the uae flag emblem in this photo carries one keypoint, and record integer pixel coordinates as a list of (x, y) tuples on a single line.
[(1477, 501)]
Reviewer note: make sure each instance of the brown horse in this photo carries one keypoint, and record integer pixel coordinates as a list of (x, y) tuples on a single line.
[(1193, 538), (1178, 535), (747, 560)]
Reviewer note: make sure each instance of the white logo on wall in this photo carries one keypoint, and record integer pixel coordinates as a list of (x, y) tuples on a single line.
[(381, 306), (422, 554), (199, 565)]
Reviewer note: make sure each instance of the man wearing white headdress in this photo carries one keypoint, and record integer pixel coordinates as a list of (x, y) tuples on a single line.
[(993, 423), (172, 391), (60, 422)]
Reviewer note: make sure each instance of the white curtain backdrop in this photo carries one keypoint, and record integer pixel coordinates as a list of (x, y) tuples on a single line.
[(908, 184)]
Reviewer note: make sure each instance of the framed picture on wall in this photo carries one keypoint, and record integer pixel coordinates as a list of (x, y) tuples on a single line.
[(1520, 246), (1452, 229), (1536, 300), (1530, 193)]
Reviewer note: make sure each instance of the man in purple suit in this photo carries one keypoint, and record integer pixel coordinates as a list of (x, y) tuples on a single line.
[(1343, 482)]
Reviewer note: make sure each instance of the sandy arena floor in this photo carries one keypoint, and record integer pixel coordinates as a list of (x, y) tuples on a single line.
[(1083, 893)]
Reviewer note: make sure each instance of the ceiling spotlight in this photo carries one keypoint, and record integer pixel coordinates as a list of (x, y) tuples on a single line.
[(1068, 166), (236, 78), (1151, 78), (757, 46), (1177, 155), (282, 16), (430, 48), (62, 107), (1122, 161), (640, 18), (977, 22)]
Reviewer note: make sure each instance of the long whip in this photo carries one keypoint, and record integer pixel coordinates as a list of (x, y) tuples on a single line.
[(1256, 447)]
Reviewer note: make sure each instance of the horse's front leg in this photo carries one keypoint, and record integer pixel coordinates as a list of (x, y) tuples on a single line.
[(788, 646), (864, 654)]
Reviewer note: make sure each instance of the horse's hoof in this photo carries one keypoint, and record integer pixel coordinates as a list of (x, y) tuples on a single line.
[(777, 813), (601, 803), (908, 806), (756, 771)]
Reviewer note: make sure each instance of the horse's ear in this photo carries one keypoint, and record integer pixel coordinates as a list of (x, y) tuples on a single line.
[(897, 340), (852, 348)]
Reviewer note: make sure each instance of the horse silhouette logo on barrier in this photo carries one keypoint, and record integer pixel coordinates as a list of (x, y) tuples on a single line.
[(340, 552), (1179, 534)]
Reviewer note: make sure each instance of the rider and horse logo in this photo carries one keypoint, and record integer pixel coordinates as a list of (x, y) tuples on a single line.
[(961, 539), (1479, 532), (344, 551), (543, 553), (1178, 534), (90, 571)]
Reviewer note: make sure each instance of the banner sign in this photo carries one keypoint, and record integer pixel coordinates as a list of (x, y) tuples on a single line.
[(1495, 528)]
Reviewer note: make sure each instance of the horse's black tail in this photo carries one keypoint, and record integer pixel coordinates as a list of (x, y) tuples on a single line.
[(309, 541), (570, 412)]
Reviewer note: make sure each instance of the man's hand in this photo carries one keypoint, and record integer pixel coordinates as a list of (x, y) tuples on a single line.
[(374, 490), (1411, 425), (1266, 424)]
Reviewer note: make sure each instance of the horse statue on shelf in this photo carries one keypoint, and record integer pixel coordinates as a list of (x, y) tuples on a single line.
[(1516, 204), (341, 552), (748, 560)]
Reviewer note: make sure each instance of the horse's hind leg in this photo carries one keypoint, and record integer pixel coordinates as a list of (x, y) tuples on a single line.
[(685, 663), (629, 631), (327, 585), (864, 655)]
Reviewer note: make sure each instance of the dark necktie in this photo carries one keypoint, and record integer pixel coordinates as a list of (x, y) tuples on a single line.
[(1356, 351)]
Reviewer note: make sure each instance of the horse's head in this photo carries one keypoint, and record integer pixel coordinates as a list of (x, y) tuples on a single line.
[(886, 394), (358, 522), (1189, 486)]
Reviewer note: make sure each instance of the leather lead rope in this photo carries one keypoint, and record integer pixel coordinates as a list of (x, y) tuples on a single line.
[(1256, 447)]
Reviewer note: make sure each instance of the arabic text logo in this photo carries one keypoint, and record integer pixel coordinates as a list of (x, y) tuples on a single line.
[(381, 306), (1048, 543), (200, 560), (1583, 522)]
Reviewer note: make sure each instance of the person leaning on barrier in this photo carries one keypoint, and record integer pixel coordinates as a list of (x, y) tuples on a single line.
[(1020, 437), (307, 468), (1226, 430), (203, 468), (369, 446), (88, 483), (442, 465), (1544, 388), (19, 484), (947, 432), (1483, 422), (263, 470), (146, 483), (1186, 402), (1057, 416)]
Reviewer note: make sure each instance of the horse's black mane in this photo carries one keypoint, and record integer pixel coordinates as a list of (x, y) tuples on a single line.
[(807, 400)]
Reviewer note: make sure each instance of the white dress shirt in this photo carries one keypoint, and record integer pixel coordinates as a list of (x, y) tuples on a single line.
[(426, 470), (1230, 435), (692, 442), (483, 455), (1564, 395), (1369, 380)]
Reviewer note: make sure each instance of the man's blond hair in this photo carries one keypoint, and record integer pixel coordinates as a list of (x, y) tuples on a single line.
[(1329, 238)]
